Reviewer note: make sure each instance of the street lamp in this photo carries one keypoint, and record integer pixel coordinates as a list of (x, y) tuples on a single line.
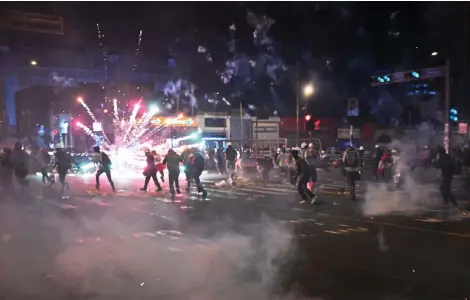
[(434, 53), (307, 91), (33, 62)]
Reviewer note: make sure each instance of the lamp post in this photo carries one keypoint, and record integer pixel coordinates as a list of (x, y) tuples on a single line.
[(307, 91)]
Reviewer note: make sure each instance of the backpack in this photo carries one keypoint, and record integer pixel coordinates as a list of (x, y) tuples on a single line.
[(352, 159), (105, 161)]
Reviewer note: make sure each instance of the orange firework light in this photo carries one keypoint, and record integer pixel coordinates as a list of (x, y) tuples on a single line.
[(180, 121)]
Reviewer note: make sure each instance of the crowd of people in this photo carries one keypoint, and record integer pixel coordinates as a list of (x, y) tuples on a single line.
[(298, 166)]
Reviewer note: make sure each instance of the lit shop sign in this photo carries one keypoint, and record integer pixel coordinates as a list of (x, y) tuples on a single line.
[(180, 122), (266, 129)]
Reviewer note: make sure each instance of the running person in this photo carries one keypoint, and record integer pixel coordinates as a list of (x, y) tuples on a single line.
[(104, 166)]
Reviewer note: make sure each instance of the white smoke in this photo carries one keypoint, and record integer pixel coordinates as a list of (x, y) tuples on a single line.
[(414, 196), (103, 256)]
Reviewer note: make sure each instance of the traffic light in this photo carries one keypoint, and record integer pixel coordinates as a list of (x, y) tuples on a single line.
[(311, 124), (453, 115)]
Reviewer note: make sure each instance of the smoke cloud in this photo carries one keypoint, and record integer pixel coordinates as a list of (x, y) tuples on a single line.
[(415, 194), (103, 254)]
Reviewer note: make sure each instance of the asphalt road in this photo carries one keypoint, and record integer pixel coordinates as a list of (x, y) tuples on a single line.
[(254, 241)]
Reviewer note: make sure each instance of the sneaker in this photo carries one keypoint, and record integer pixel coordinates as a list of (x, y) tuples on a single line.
[(143, 189), (313, 200), (204, 194), (178, 191), (303, 201), (159, 189)]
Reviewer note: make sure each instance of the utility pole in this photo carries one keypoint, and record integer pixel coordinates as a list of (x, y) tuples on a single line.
[(297, 91), (241, 124), (447, 131)]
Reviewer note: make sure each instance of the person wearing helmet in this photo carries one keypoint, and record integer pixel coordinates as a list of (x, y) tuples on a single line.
[(351, 162), (230, 157), (104, 166)]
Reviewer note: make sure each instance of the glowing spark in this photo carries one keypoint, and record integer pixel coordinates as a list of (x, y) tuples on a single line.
[(137, 51)]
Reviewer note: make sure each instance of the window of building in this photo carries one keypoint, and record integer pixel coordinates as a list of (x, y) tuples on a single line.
[(215, 122)]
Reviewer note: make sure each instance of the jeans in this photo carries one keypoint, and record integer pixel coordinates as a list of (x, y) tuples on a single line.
[(107, 171), (302, 188), (351, 184), (155, 180), (173, 175)]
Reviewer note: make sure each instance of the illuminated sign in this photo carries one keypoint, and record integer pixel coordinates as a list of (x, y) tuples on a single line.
[(180, 122)]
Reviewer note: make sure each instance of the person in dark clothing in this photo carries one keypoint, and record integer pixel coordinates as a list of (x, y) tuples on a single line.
[(447, 167), (187, 166), (351, 162), (19, 159), (377, 157), (151, 171), (230, 157), (63, 162), (104, 166), (303, 178), (197, 161), (6, 171), (44, 160), (172, 161), (219, 160)]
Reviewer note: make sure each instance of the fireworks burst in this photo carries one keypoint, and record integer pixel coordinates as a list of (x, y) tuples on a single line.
[(131, 132)]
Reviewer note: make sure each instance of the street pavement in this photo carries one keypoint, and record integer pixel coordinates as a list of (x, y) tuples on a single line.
[(251, 241)]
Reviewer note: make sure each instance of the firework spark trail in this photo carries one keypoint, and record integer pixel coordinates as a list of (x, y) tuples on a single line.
[(132, 122), (103, 52), (90, 133), (116, 112), (137, 51), (88, 110)]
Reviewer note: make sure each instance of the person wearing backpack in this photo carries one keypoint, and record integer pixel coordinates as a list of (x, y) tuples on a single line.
[(104, 166), (351, 161)]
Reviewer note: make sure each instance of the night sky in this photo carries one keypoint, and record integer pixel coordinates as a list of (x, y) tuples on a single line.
[(338, 44)]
